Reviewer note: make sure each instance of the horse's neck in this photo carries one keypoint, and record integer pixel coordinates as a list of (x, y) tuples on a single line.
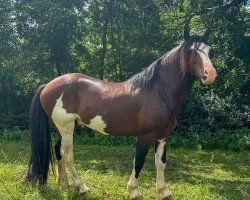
[(174, 86), (185, 87)]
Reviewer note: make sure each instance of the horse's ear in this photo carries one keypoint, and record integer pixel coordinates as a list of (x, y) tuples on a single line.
[(207, 33), (186, 33), (158, 61)]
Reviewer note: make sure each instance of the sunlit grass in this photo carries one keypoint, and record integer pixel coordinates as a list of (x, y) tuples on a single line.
[(190, 174)]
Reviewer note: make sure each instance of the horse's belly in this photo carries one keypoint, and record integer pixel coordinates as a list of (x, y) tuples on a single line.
[(106, 126), (122, 131), (121, 125)]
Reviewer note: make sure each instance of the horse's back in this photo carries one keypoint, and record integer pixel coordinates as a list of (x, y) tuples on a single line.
[(64, 86)]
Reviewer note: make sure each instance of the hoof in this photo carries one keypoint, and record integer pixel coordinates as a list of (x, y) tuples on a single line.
[(136, 195), (84, 190), (165, 195), (25, 182), (134, 192), (29, 180), (169, 197), (139, 196)]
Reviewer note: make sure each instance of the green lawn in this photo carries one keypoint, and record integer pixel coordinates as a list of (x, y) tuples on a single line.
[(190, 174)]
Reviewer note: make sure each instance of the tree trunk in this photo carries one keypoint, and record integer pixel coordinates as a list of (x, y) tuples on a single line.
[(104, 40), (58, 68)]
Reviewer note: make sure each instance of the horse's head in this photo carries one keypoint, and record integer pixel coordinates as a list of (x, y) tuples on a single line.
[(198, 52)]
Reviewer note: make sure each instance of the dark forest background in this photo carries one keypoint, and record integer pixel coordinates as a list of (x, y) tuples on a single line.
[(115, 39)]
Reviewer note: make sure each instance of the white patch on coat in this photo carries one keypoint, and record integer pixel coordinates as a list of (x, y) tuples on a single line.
[(64, 121), (192, 47), (98, 124), (203, 51)]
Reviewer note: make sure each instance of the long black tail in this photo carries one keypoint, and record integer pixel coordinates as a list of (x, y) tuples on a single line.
[(40, 142)]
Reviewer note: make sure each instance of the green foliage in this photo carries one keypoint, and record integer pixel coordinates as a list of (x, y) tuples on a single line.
[(238, 139), (40, 40), (14, 134), (99, 139), (7, 32)]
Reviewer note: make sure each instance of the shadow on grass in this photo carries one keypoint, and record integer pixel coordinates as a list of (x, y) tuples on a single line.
[(229, 189), (193, 167), (121, 162), (235, 162)]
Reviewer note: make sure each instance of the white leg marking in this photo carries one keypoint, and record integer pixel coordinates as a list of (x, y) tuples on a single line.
[(65, 123), (62, 175), (133, 186), (162, 191), (67, 153)]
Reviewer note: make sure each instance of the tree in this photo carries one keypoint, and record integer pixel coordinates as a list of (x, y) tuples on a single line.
[(114, 40), (50, 28)]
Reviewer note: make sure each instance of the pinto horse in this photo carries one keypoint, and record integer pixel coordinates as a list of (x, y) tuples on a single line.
[(145, 106)]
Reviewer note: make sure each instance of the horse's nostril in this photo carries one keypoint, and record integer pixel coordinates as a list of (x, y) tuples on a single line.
[(206, 72)]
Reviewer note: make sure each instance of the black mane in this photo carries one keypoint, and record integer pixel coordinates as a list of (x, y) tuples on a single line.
[(178, 56), (146, 78)]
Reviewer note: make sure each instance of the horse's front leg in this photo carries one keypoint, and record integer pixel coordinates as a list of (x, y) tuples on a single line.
[(160, 163), (143, 145)]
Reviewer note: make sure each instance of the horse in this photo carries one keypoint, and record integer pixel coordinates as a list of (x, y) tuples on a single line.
[(146, 106)]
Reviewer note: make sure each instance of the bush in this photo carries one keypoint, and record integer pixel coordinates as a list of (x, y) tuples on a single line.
[(193, 137), (84, 138), (14, 134), (238, 139)]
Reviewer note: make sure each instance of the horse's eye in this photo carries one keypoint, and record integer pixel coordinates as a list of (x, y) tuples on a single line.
[(192, 52)]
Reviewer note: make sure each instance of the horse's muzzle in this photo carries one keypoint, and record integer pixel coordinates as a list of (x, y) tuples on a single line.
[(209, 75)]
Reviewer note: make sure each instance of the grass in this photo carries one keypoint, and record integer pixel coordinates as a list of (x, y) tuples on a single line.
[(190, 174)]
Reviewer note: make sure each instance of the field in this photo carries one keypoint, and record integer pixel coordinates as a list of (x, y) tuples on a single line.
[(190, 174)]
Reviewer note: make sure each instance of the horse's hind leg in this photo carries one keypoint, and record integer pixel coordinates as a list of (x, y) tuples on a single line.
[(61, 175), (65, 123), (67, 154)]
